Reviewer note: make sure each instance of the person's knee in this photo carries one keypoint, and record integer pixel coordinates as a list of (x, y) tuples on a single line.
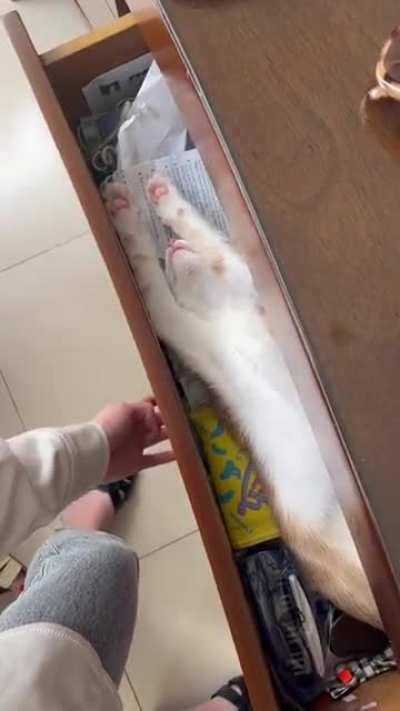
[(120, 560), (95, 546), (94, 553)]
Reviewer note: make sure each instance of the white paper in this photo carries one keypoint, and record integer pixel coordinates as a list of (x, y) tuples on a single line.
[(188, 173), (153, 127), (121, 83)]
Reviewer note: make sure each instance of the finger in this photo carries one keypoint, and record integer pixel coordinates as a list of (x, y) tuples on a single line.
[(153, 460), (158, 416), (164, 430), (156, 438), (158, 435), (136, 406), (150, 399), (142, 417), (155, 427)]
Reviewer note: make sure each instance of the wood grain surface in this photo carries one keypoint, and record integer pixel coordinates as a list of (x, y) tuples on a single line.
[(286, 83)]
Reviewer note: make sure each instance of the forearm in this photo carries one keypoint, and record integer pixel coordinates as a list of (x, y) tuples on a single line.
[(44, 470)]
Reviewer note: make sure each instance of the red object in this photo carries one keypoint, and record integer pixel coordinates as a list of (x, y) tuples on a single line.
[(345, 676)]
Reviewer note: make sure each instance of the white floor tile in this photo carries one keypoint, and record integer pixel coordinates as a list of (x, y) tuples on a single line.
[(157, 512), (49, 22), (182, 649), (10, 424), (129, 702), (66, 351), (65, 347), (39, 208)]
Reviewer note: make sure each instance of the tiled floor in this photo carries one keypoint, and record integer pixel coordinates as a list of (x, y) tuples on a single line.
[(65, 350)]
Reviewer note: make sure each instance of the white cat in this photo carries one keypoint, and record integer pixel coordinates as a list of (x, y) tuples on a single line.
[(206, 308)]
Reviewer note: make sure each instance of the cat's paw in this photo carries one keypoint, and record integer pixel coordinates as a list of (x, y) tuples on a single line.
[(168, 202), (127, 220), (159, 188), (116, 198)]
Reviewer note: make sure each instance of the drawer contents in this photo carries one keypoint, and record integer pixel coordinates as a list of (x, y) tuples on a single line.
[(140, 97), (294, 626), (312, 646), (240, 493), (116, 86), (204, 307)]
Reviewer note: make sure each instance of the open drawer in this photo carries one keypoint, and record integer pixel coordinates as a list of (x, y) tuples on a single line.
[(56, 79)]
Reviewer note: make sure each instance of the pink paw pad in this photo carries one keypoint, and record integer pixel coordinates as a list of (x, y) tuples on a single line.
[(117, 204), (157, 190), (121, 203)]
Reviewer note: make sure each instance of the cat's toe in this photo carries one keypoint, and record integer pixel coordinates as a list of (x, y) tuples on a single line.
[(116, 197), (157, 188)]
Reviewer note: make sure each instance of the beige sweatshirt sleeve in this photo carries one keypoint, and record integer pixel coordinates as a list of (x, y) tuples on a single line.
[(44, 470)]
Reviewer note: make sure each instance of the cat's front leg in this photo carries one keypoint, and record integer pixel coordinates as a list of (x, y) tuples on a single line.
[(128, 222), (178, 214), (181, 329), (140, 249)]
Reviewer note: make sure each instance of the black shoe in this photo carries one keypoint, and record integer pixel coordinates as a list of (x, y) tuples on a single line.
[(119, 491), (235, 691)]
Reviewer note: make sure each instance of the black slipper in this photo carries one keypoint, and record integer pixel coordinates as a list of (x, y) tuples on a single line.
[(235, 691), (119, 491)]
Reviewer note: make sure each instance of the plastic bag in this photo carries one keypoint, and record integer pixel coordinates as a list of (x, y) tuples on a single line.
[(153, 127)]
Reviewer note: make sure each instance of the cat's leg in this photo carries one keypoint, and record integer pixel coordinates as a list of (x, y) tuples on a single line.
[(178, 214), (181, 329), (127, 221), (141, 251)]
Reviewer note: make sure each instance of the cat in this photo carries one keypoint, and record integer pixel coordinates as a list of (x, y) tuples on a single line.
[(205, 306)]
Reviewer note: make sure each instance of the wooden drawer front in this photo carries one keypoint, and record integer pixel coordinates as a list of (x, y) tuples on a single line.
[(56, 79)]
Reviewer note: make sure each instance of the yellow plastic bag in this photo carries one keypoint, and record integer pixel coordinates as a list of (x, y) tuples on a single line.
[(248, 518)]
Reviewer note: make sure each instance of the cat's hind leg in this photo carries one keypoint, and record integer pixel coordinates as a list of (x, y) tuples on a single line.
[(178, 214)]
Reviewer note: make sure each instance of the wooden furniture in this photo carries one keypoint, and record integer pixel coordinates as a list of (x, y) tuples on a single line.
[(311, 194)]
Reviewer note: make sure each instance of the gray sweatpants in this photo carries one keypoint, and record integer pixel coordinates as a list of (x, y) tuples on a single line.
[(86, 581)]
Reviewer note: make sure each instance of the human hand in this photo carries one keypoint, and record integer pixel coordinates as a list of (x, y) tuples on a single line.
[(130, 429)]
